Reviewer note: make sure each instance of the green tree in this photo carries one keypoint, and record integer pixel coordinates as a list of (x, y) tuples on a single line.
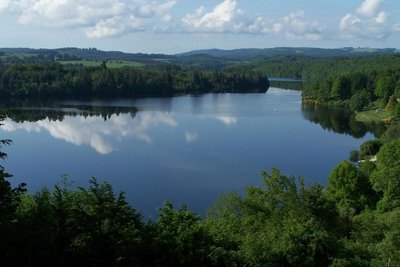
[(354, 156), (397, 89), (386, 179), (370, 148), (360, 100), (341, 88), (349, 187), (181, 238), (9, 200), (376, 237), (392, 103), (106, 230), (385, 85), (282, 223)]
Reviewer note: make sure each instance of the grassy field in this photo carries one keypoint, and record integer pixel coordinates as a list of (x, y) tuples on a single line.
[(372, 116), (94, 63), (20, 56), (375, 113)]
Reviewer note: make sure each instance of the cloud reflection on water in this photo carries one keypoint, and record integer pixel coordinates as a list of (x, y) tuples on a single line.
[(102, 135)]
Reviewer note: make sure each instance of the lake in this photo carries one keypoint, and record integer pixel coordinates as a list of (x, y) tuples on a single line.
[(186, 149)]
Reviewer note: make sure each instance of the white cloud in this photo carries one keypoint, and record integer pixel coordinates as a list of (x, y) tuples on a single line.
[(227, 17), (108, 18), (99, 18), (368, 22), (369, 8), (296, 27), (101, 135)]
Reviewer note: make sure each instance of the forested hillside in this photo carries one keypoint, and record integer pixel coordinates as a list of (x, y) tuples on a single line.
[(57, 81), (357, 84)]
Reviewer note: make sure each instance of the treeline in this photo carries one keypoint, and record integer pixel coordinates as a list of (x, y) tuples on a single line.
[(357, 89), (312, 68), (354, 221), (57, 81)]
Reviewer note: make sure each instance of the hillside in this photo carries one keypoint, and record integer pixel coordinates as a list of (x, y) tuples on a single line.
[(211, 59), (251, 53)]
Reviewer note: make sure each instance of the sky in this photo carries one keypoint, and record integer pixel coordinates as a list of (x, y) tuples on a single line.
[(174, 26)]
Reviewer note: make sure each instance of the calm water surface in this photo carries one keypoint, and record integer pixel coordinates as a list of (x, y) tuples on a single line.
[(188, 149)]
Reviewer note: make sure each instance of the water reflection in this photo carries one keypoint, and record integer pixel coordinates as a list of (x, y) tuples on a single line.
[(102, 128), (183, 149), (227, 120), (101, 132), (190, 137), (297, 85), (339, 120)]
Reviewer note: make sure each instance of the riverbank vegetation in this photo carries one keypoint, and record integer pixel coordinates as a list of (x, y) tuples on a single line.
[(371, 88)]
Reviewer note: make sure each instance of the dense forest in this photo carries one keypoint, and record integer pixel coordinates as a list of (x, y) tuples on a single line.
[(357, 84), (317, 68), (58, 81)]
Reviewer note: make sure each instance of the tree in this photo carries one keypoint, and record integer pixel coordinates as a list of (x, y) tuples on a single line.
[(341, 88), (349, 187), (282, 223), (354, 156), (9, 199), (396, 111), (181, 238), (360, 100), (369, 149), (392, 103), (386, 179), (385, 85), (105, 229)]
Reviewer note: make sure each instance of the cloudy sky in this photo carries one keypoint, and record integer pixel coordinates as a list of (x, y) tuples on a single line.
[(171, 26)]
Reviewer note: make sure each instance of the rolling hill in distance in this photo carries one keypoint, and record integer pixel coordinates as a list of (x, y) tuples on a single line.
[(207, 59), (244, 53)]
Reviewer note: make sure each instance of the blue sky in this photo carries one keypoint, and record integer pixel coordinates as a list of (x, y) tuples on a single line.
[(172, 26)]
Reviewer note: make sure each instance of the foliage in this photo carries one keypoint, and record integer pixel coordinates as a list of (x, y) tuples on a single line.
[(349, 188), (280, 224), (369, 149), (181, 238), (360, 100), (386, 179), (9, 201), (392, 103), (55, 80), (354, 156)]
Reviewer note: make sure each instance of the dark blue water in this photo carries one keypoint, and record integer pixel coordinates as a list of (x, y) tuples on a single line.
[(188, 149)]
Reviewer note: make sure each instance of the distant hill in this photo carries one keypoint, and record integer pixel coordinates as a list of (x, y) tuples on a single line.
[(95, 54), (208, 59), (251, 53), (88, 54)]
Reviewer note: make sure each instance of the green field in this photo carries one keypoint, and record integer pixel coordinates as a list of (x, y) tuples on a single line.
[(372, 115), (113, 64), (20, 56)]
